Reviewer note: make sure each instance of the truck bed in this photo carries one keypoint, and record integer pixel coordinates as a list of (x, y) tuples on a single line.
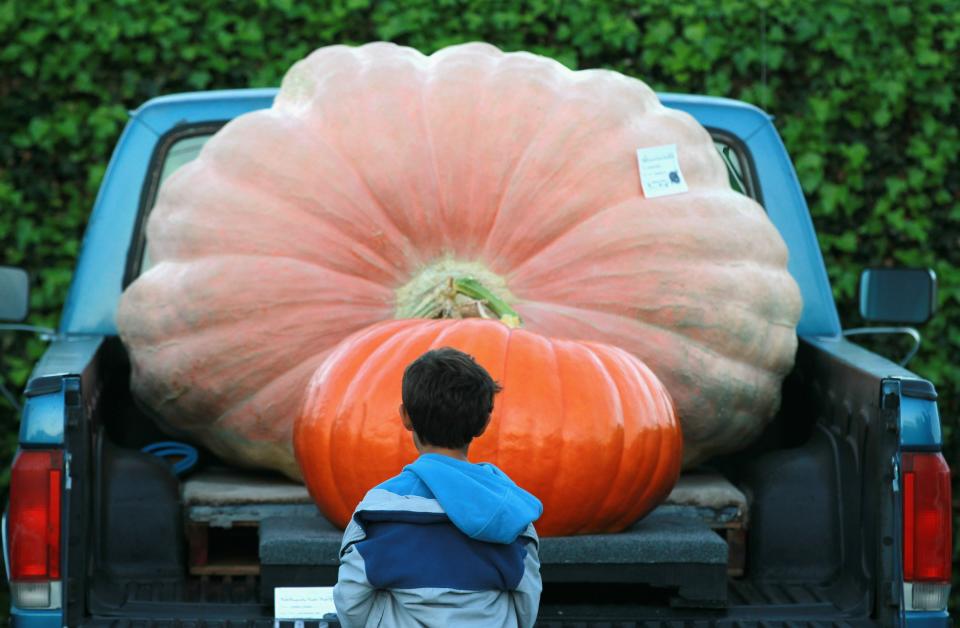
[(785, 534), (248, 532), (234, 602)]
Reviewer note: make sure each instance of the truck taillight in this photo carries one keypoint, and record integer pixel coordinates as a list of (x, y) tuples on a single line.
[(926, 530), (33, 528)]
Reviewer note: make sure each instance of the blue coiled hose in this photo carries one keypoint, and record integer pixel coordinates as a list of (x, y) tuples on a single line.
[(172, 449)]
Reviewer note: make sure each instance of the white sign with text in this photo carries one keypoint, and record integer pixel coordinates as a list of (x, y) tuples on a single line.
[(660, 171), (302, 602)]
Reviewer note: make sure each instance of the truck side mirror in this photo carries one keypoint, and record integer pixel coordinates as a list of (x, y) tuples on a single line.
[(14, 294), (898, 295)]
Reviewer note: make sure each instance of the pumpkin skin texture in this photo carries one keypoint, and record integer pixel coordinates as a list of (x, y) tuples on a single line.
[(585, 427), (378, 170)]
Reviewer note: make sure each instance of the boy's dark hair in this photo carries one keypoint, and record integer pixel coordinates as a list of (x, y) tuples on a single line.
[(448, 397)]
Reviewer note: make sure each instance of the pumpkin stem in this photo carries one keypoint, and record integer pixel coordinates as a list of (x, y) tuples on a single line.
[(451, 288), (470, 287), (446, 301)]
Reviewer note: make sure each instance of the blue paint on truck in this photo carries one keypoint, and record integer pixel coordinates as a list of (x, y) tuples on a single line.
[(35, 619)]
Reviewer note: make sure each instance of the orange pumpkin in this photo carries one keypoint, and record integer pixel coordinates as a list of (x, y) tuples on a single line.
[(379, 173), (586, 427)]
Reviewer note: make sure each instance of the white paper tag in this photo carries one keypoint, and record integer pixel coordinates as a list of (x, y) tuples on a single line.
[(660, 171), (302, 602)]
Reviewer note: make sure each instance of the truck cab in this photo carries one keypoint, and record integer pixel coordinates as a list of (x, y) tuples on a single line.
[(838, 515)]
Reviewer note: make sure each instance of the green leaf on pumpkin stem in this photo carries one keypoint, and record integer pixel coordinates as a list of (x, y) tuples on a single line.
[(472, 288)]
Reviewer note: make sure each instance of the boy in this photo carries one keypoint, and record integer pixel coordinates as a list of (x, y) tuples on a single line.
[(446, 542)]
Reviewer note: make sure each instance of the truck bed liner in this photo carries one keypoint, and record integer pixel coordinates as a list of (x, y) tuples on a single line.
[(662, 551), (589, 581), (760, 605), (270, 623)]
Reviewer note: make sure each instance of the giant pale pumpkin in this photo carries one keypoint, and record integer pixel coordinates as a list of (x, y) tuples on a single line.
[(379, 173), (586, 427)]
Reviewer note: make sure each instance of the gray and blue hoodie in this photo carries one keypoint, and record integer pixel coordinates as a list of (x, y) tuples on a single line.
[(445, 543)]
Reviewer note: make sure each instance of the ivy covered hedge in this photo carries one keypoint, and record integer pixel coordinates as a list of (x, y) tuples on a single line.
[(864, 93)]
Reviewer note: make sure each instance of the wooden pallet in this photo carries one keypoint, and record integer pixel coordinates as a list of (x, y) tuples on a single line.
[(714, 500), (224, 509)]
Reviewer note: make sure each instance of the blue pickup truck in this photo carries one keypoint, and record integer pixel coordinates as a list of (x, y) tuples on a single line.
[(838, 515)]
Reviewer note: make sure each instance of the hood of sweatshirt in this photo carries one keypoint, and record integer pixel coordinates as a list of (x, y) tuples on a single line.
[(479, 499)]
